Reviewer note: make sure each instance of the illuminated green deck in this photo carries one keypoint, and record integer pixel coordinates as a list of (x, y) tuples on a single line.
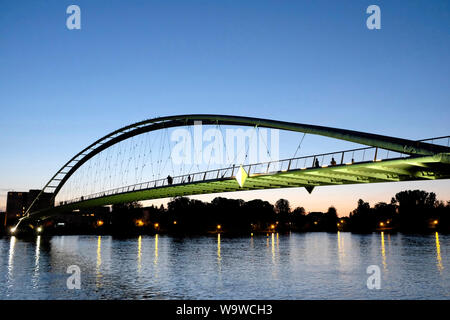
[(404, 169)]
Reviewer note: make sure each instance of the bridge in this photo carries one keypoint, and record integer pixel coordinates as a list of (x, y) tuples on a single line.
[(382, 159)]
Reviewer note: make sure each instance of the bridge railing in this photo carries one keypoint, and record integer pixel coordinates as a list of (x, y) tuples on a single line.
[(442, 141), (339, 158)]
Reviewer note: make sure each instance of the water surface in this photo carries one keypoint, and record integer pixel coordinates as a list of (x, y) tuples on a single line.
[(292, 266)]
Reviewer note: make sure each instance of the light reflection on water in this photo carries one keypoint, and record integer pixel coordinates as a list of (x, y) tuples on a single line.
[(438, 254), (383, 251), (36, 262), (272, 266), (139, 257), (11, 260), (99, 262)]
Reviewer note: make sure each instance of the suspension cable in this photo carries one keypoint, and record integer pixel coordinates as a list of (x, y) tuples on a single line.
[(299, 145)]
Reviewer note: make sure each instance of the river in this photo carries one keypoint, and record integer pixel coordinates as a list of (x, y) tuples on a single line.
[(276, 266)]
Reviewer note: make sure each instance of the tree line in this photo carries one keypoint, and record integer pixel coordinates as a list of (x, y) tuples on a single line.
[(408, 211)]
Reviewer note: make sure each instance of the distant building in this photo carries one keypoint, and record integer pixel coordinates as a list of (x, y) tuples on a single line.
[(3, 221), (18, 202), (81, 221), (15, 206)]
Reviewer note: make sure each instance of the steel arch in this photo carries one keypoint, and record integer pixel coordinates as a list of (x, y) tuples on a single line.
[(390, 143)]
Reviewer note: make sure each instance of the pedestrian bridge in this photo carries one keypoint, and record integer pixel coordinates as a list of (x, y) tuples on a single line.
[(383, 159)]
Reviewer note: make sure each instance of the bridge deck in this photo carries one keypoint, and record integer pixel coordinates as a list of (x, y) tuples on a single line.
[(400, 169)]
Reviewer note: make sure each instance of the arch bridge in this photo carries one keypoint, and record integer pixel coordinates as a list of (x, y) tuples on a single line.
[(382, 159)]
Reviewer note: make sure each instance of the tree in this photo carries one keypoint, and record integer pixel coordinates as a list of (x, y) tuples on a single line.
[(299, 211), (261, 212), (332, 212), (385, 212), (283, 210), (282, 207), (415, 207), (129, 206), (415, 198), (124, 216), (331, 219), (361, 219), (298, 218)]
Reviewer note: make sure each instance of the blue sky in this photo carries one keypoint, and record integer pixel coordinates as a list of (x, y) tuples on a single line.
[(304, 61)]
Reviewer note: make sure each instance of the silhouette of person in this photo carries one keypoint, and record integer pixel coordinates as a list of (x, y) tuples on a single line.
[(169, 179), (189, 178), (316, 163), (333, 162)]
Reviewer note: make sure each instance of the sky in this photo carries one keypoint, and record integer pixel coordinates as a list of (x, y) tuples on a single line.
[(312, 62)]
